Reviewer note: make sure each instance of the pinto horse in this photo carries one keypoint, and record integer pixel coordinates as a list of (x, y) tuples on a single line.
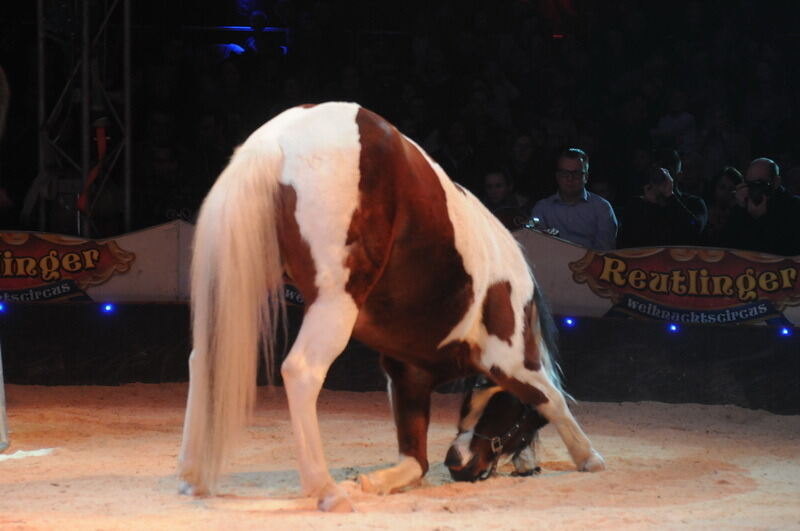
[(384, 247)]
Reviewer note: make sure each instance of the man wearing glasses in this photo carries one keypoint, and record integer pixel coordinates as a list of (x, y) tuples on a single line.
[(578, 215)]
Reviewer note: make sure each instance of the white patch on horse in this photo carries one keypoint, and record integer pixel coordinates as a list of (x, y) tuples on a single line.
[(461, 445), (477, 405), (321, 162), (321, 153), (407, 472)]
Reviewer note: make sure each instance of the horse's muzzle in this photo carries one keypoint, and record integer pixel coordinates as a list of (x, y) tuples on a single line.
[(471, 471)]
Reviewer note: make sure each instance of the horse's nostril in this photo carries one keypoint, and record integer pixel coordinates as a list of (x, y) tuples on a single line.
[(453, 458)]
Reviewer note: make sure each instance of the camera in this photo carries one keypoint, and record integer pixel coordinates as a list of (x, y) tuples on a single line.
[(537, 224)]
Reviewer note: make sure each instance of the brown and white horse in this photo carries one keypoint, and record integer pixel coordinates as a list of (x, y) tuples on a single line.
[(384, 247)]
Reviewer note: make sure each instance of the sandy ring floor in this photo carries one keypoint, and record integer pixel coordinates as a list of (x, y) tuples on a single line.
[(107, 455)]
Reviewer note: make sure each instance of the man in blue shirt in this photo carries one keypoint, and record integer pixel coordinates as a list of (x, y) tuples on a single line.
[(579, 216)]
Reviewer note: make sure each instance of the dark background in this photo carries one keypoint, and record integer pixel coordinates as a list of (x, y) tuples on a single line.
[(481, 85)]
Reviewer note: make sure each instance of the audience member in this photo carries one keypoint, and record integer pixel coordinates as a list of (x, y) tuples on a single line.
[(670, 160), (579, 215), (766, 217), (465, 85), (721, 196), (657, 217), (511, 208)]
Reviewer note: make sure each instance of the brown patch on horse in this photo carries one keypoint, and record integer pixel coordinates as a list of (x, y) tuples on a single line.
[(307, 105), (498, 313), (405, 271), (294, 248), (533, 361), (525, 392)]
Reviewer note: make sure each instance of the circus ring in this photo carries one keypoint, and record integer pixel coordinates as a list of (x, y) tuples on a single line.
[(699, 429)]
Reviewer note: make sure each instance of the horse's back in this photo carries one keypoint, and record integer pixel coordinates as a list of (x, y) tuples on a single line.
[(419, 252)]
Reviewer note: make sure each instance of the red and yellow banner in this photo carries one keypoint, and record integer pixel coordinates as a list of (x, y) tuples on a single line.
[(45, 267), (692, 284)]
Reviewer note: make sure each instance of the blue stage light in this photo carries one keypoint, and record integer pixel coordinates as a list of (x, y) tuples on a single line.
[(673, 328), (108, 308), (2, 307), (786, 331), (569, 322)]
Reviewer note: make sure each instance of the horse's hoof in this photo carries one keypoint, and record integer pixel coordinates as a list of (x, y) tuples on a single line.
[(336, 502), (366, 485), (369, 486), (595, 463), (187, 489)]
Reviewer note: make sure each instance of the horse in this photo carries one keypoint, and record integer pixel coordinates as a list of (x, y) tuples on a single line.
[(383, 247)]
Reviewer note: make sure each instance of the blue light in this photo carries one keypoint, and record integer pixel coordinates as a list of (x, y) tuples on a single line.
[(673, 328), (2, 307), (569, 322), (786, 331), (108, 308)]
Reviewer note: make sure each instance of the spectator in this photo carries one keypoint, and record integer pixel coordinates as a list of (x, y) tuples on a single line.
[(670, 160), (721, 195), (657, 217), (579, 216), (502, 200), (525, 167), (765, 217)]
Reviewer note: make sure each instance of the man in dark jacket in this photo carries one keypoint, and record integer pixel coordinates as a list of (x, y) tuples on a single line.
[(766, 217), (658, 217)]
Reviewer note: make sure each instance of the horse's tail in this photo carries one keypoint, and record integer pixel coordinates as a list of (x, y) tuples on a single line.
[(236, 303), (543, 322)]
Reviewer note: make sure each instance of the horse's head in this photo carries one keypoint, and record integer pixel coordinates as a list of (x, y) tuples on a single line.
[(494, 425)]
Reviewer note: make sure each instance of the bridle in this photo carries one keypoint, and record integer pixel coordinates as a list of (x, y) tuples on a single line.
[(498, 442)]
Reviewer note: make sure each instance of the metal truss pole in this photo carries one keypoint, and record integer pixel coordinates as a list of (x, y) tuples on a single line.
[(84, 92)]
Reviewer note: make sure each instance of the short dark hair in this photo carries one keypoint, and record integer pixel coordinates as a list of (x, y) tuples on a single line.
[(654, 175), (731, 173), (575, 154)]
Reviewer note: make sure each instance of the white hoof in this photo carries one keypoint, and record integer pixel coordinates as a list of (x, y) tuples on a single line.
[(335, 500), (595, 463)]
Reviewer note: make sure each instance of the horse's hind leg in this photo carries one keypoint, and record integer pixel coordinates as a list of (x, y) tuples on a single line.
[(323, 335), (410, 394), (534, 387)]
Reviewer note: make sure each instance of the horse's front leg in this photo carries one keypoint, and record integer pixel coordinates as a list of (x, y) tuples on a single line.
[(410, 394)]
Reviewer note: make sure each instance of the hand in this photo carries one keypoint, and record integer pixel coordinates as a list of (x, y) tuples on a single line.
[(742, 195)]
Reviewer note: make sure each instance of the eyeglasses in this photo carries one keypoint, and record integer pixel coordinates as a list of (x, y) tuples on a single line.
[(575, 174)]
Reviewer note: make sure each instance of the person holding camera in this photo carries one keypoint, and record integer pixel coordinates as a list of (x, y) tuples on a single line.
[(766, 216), (658, 217)]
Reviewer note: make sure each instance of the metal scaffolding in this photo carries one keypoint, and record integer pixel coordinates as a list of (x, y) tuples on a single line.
[(80, 52)]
